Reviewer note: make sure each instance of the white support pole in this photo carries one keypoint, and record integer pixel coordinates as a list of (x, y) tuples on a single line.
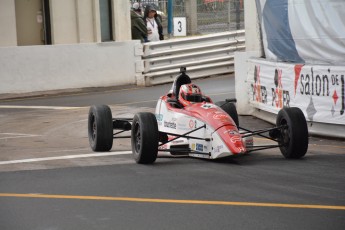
[(253, 49)]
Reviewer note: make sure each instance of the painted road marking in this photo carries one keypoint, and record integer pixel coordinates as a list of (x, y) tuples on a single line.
[(16, 135), (67, 95), (37, 107), (200, 202), (64, 157)]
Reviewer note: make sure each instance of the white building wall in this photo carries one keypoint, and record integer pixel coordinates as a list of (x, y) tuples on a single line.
[(8, 34), (76, 59), (122, 20), (41, 68), (72, 21), (64, 21), (85, 25)]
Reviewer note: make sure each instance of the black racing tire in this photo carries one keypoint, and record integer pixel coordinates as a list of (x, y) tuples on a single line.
[(294, 137), (230, 109), (100, 128), (145, 138)]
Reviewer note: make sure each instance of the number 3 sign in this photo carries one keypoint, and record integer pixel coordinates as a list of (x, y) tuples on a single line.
[(180, 26)]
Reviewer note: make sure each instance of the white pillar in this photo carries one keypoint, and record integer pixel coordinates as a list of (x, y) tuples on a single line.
[(252, 25), (122, 20), (96, 21), (191, 14), (253, 49)]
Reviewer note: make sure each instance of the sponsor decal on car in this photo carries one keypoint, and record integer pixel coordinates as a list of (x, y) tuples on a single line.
[(192, 124), (238, 143), (218, 148), (207, 106), (177, 142), (171, 125), (193, 146), (182, 124), (231, 132), (199, 147), (159, 117), (249, 142), (235, 139), (220, 116), (241, 149), (163, 147)]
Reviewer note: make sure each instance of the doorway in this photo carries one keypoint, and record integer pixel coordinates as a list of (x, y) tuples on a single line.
[(32, 22)]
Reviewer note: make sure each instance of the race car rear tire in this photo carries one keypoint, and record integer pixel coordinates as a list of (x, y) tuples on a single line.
[(145, 137), (100, 128), (293, 138), (230, 109)]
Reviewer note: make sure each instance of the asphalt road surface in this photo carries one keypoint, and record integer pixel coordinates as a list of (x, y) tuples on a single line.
[(50, 178)]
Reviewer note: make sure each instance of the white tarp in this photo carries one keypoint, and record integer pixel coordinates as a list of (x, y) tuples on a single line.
[(318, 90), (303, 31)]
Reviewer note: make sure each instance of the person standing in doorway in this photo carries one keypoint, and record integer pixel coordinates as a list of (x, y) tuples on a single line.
[(153, 24)]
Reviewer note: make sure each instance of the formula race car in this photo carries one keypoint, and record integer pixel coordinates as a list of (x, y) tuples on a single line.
[(187, 122)]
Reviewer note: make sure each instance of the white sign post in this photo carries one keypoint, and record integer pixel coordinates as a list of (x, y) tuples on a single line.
[(180, 26)]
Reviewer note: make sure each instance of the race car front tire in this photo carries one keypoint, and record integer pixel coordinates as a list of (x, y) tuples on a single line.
[(230, 109), (145, 137), (100, 128), (293, 138)]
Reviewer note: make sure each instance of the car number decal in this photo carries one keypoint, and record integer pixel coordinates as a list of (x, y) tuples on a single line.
[(207, 106)]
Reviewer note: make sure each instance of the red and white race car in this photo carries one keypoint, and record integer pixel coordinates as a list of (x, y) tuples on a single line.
[(187, 122)]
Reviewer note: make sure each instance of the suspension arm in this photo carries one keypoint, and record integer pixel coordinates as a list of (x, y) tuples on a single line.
[(185, 135)]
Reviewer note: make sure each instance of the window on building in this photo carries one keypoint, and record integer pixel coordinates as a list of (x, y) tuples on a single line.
[(106, 20)]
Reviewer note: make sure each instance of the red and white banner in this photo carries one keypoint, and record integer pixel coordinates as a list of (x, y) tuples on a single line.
[(318, 90)]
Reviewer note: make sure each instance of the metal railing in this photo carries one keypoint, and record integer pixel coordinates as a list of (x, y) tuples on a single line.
[(203, 56), (212, 16)]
